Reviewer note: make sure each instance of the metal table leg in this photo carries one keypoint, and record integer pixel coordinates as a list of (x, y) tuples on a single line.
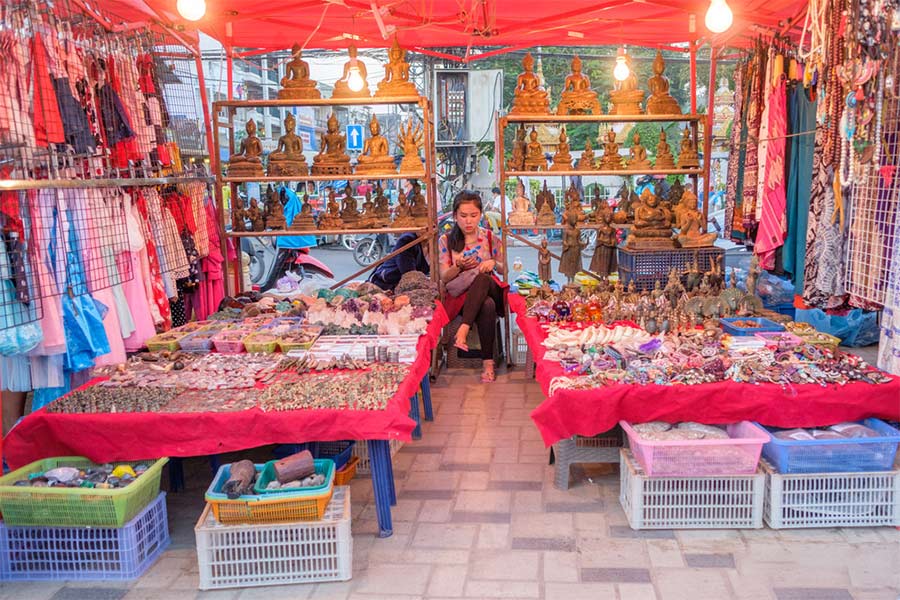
[(426, 399), (414, 414), (382, 483)]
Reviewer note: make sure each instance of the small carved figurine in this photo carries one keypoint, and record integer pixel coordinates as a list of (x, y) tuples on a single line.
[(652, 224), (396, 75), (332, 158), (570, 261), (517, 161), (274, 210), (661, 101), (604, 260), (349, 208), (688, 157), (410, 141), (664, 158), (304, 221), (521, 214), (403, 216), (691, 230), (577, 97), (544, 262), (332, 217), (626, 97), (573, 204), (534, 153), (247, 162), (562, 160), (625, 208), (545, 204), (417, 208), (238, 214), (375, 158), (342, 85), (611, 159), (530, 96), (255, 216), (287, 159), (382, 206), (296, 83), (638, 160), (587, 162)]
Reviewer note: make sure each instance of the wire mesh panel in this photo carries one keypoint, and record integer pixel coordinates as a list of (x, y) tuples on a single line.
[(20, 299), (874, 206)]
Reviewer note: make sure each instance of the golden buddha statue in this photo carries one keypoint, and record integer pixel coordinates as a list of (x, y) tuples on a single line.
[(664, 158), (349, 208), (247, 162), (403, 215), (382, 206), (562, 160), (661, 101), (573, 204), (352, 68), (410, 141), (652, 224), (517, 162), (521, 214), (638, 160), (626, 97), (332, 158), (587, 161), (534, 153), (611, 159), (296, 83), (332, 217), (396, 75), (577, 97), (375, 158), (689, 221), (304, 221), (287, 159), (418, 210), (530, 96), (545, 204), (688, 157)]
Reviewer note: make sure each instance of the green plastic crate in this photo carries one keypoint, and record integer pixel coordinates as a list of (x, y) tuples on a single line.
[(75, 507)]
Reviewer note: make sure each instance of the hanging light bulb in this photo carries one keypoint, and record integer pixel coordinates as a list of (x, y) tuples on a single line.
[(621, 70), (354, 78), (192, 10), (719, 16)]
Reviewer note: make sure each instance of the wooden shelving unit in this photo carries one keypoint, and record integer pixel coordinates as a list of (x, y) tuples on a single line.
[(426, 177)]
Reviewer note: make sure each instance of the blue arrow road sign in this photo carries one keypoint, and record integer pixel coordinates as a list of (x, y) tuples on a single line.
[(354, 137)]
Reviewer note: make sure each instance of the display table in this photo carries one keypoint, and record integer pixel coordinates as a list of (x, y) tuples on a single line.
[(591, 412), (109, 437)]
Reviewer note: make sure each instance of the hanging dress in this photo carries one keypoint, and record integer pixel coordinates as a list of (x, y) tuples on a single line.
[(772, 226), (803, 122)]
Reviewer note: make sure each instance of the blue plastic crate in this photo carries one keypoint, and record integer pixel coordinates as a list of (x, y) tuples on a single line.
[(323, 466), (787, 309), (852, 455), (762, 326), (85, 553), (340, 451)]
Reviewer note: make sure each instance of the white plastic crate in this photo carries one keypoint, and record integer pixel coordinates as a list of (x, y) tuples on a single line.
[(361, 450), (832, 499), (710, 502), (232, 556)]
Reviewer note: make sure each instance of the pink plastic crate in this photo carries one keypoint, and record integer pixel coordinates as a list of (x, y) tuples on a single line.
[(736, 456), (230, 341)]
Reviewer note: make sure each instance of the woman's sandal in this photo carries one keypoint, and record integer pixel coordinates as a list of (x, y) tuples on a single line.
[(461, 345), (488, 376)]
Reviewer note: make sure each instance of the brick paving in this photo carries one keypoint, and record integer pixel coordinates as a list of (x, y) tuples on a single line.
[(478, 517)]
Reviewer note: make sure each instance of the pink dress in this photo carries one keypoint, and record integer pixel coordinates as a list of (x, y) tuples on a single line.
[(772, 224)]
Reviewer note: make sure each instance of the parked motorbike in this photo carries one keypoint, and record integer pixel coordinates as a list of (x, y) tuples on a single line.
[(269, 263), (371, 248)]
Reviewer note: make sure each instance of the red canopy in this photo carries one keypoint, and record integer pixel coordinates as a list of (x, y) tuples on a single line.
[(277, 24)]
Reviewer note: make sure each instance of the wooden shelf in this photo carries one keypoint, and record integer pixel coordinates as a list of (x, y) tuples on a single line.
[(318, 102), (560, 226), (619, 173), (601, 118), (292, 232), (348, 177)]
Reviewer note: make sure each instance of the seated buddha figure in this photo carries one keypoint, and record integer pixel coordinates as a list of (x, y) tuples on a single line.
[(304, 221), (368, 219), (349, 208), (287, 159), (332, 217), (342, 85), (534, 153), (403, 216), (691, 232), (530, 96), (562, 160), (611, 159), (638, 160), (587, 162), (545, 204), (626, 97), (375, 158), (296, 83), (688, 157), (577, 97), (652, 226), (521, 214), (247, 161), (382, 208), (418, 210), (396, 75), (664, 158), (661, 101), (332, 158)]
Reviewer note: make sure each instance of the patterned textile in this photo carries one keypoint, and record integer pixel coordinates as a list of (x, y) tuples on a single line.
[(737, 128)]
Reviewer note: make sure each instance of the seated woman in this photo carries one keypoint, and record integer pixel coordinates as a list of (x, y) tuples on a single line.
[(387, 275), (469, 256)]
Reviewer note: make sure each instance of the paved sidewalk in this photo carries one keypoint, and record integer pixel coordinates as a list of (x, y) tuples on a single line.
[(478, 517)]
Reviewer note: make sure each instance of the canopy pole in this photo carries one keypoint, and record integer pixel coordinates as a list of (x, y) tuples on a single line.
[(707, 133), (236, 266), (693, 78)]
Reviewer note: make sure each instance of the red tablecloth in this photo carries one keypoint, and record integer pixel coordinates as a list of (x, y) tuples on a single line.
[(138, 436), (589, 412)]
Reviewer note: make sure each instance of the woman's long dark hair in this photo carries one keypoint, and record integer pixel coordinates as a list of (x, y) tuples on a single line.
[(456, 240)]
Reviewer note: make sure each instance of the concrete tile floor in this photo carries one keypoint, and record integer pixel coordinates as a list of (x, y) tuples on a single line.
[(478, 517)]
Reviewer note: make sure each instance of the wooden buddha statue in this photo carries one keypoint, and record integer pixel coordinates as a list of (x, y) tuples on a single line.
[(332, 217), (638, 160), (247, 162), (626, 97), (604, 261), (287, 159), (611, 159), (521, 214), (664, 158), (599, 206), (577, 97), (692, 233), (545, 204), (255, 216), (368, 219), (411, 139), (382, 206), (587, 161), (296, 83), (573, 204), (534, 153), (375, 158), (332, 158), (661, 101), (517, 162), (652, 224), (418, 210), (688, 157), (562, 160), (349, 208), (530, 96), (403, 216), (396, 75), (274, 210), (353, 67), (304, 221)]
